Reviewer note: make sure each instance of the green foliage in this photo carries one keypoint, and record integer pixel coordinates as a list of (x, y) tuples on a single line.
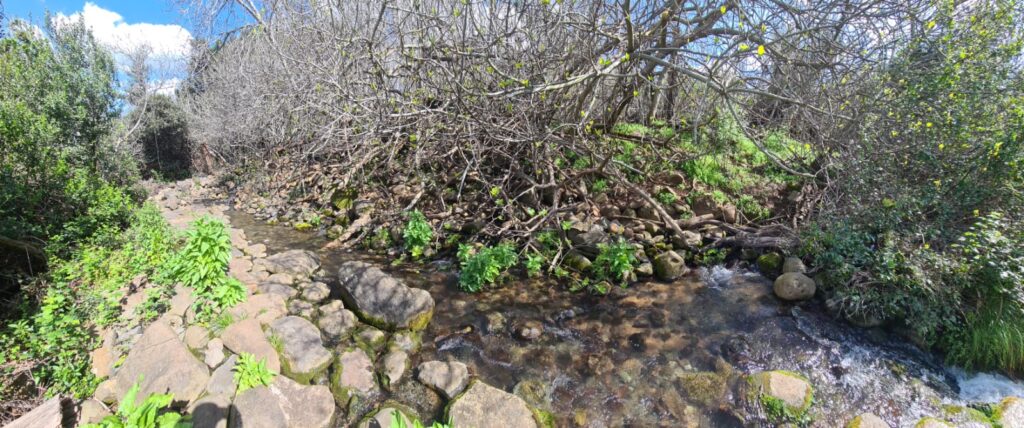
[(615, 261), (202, 265), (146, 415), (600, 185), (534, 263), (250, 373), (667, 198), (417, 234), (163, 135), (397, 421), (483, 266)]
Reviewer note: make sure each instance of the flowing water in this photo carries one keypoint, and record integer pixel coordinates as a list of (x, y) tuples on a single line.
[(657, 354)]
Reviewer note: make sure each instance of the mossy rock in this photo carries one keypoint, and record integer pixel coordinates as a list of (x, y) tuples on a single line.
[(770, 264), (966, 416), (705, 388), (344, 199), (1009, 411), (303, 226), (387, 418), (932, 423), (867, 420), (784, 396)]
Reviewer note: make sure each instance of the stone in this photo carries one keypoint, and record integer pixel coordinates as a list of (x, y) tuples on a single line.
[(770, 264), (302, 308), (496, 323), (284, 403), (1010, 412), (257, 250), (529, 330), (181, 300), (931, 423), (298, 263), (211, 411), (405, 341), (483, 404), (867, 420), (105, 392), (103, 357), (353, 375), (47, 415), (790, 389), (196, 337), (384, 417), (264, 307), (669, 266), (214, 353), (794, 286), (645, 269), (793, 264), (689, 239), (247, 336), (165, 364), (303, 355), (281, 278), (269, 287), (239, 265), (382, 300), (371, 339), (448, 378), (315, 292), (337, 325), (577, 261), (91, 411), (395, 363), (222, 381)]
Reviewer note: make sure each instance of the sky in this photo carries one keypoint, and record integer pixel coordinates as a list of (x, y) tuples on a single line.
[(122, 25)]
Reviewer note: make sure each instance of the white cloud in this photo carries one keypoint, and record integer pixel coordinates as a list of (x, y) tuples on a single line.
[(110, 28)]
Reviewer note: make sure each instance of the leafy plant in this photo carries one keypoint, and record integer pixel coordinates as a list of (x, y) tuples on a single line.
[(667, 198), (202, 265), (146, 415), (599, 186), (483, 266), (534, 263), (398, 421), (250, 373), (417, 234), (615, 261)]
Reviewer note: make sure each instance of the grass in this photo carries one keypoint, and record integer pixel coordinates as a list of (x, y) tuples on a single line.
[(991, 338)]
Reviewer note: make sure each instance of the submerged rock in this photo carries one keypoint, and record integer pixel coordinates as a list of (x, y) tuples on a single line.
[(302, 352), (481, 405), (794, 286), (448, 378), (382, 300), (165, 365)]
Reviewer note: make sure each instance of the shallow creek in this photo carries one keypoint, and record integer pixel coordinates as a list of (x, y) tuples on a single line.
[(657, 354)]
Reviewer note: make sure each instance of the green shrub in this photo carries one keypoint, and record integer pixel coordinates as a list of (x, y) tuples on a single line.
[(667, 198), (146, 415), (615, 261), (250, 373), (417, 234), (482, 267), (202, 265), (398, 422)]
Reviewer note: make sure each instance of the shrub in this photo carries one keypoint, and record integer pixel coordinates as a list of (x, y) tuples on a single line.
[(417, 234), (615, 261), (202, 266), (483, 267), (146, 415), (250, 373)]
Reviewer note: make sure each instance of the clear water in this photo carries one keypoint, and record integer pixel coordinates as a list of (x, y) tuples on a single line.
[(625, 358)]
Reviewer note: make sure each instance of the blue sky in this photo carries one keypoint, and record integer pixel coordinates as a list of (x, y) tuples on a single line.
[(133, 11)]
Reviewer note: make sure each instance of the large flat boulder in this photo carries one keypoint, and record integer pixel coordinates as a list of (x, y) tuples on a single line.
[(382, 300), (284, 403), (165, 365), (448, 378), (297, 263), (247, 336), (481, 405), (263, 307), (353, 375), (302, 352)]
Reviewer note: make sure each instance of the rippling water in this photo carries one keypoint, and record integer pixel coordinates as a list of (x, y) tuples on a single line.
[(666, 353)]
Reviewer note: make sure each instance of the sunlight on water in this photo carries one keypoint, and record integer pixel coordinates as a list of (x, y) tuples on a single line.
[(986, 387)]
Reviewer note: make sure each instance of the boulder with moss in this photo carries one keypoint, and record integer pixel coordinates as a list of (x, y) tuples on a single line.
[(1009, 413), (303, 356), (770, 264), (783, 396), (382, 300), (482, 405), (867, 420)]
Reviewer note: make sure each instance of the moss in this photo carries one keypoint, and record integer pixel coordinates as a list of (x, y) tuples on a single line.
[(706, 388), (421, 321), (931, 423), (303, 226), (544, 418), (997, 412), (770, 264), (775, 409), (408, 413), (961, 414)]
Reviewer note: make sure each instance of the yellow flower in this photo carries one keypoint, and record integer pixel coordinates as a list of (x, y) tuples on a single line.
[(744, 46), (977, 213), (723, 9), (928, 125), (927, 246), (931, 25), (760, 50)]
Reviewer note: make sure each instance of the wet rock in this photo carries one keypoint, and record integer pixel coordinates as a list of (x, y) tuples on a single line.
[(283, 404), (448, 378), (793, 264), (196, 337), (669, 266), (222, 381), (214, 353), (788, 389), (211, 412), (247, 336), (303, 355), (705, 388), (165, 365), (931, 423), (385, 417), (302, 308), (353, 375), (496, 323), (867, 420), (405, 341), (371, 339), (382, 300), (395, 364), (336, 324), (483, 404), (770, 264), (263, 307), (645, 269), (91, 411), (529, 330), (1010, 413), (794, 286), (533, 392), (298, 263), (315, 292)]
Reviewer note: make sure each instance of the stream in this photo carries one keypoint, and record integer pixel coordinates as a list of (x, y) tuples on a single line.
[(656, 354)]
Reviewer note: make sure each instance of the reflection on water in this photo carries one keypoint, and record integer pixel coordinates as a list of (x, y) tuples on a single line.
[(663, 354)]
